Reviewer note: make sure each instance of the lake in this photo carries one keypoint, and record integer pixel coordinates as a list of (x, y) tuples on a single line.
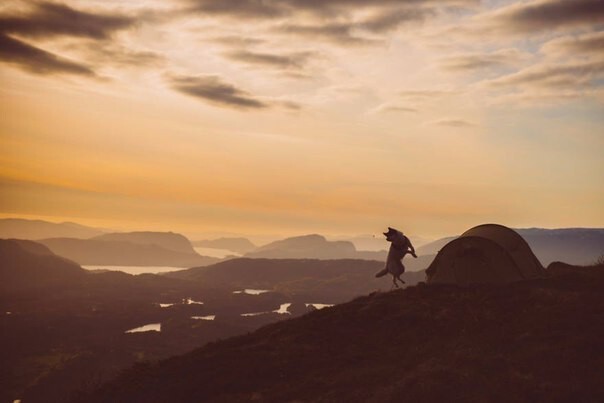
[(251, 291), (135, 269), (151, 327), (208, 317), (282, 311), (218, 253), (186, 301), (318, 306)]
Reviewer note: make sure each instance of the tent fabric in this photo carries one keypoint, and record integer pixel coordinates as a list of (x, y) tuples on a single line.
[(488, 253)]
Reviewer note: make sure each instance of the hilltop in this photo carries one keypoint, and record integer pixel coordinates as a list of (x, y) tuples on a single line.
[(167, 240), (529, 341)]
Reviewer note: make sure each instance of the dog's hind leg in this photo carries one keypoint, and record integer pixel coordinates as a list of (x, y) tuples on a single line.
[(394, 281), (400, 279)]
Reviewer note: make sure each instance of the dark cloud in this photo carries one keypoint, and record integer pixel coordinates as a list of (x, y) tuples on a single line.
[(287, 61), (51, 19), (28, 57), (548, 14), (216, 91)]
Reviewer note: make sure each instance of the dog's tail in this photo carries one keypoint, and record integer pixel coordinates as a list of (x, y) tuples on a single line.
[(382, 272)]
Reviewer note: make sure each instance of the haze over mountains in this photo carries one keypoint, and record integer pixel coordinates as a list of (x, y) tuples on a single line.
[(145, 248), (237, 245), (37, 229)]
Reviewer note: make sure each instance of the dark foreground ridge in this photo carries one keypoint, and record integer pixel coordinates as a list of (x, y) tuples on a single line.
[(537, 340)]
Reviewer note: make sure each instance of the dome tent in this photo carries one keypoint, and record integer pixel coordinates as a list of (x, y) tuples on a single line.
[(488, 253)]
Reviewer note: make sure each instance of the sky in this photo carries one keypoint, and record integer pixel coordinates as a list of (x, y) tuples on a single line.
[(299, 116)]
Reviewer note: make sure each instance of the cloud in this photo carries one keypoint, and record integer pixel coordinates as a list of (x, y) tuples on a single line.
[(243, 9), (216, 91), (353, 32), (28, 57), (392, 19), (270, 9), (53, 19), (459, 123), (553, 75), (233, 40), (424, 95), (478, 61), (43, 20), (384, 108), (340, 33), (115, 54), (287, 61), (588, 44), (544, 15)]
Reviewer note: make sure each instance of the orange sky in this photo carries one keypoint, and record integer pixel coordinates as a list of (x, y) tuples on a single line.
[(291, 116)]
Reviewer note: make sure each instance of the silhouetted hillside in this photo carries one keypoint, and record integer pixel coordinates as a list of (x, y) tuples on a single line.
[(237, 245), (122, 253), (37, 229), (579, 246), (27, 264), (529, 341), (329, 280), (167, 240), (65, 326)]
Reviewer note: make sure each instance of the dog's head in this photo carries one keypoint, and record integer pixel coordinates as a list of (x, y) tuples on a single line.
[(392, 235)]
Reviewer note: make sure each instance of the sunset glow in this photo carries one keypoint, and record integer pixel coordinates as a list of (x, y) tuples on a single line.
[(298, 116)]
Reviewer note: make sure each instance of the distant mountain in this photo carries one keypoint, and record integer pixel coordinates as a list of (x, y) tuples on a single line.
[(122, 253), (237, 245), (420, 344), (579, 246), (318, 247), (331, 280), (167, 240), (305, 247), (37, 229)]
